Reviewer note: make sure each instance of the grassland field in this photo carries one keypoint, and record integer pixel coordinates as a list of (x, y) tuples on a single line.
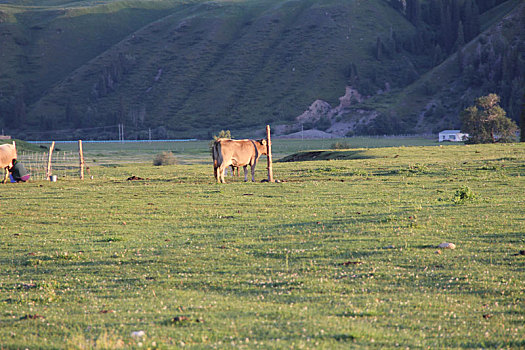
[(340, 254), (190, 152)]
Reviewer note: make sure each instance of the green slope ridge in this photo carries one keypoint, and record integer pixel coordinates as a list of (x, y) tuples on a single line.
[(191, 68), (211, 65)]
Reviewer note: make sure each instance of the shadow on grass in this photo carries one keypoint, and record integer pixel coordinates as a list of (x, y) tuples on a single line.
[(340, 338), (510, 344), (324, 155), (281, 254), (502, 236)]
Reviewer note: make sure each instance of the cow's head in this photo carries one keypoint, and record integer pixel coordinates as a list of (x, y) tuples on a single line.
[(261, 146)]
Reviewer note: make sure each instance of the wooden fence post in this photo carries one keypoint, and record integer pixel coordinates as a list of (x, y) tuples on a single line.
[(81, 156), (269, 151), (48, 174)]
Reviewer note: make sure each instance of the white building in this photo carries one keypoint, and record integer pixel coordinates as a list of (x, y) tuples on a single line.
[(452, 135)]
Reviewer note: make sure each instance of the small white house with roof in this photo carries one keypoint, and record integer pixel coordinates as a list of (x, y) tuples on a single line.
[(452, 135)]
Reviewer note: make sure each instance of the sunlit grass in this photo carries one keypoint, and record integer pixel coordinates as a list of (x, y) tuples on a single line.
[(340, 254)]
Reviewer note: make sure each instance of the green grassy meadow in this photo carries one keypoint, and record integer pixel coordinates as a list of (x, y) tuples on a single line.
[(340, 254), (190, 152)]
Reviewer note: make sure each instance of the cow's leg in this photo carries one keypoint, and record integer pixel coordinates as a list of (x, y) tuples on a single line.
[(253, 173), (6, 176), (218, 174), (215, 173), (222, 168), (245, 173), (221, 174)]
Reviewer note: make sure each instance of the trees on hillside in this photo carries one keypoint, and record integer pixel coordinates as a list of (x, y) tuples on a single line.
[(440, 21), (413, 11), (470, 18), (486, 121), (522, 120)]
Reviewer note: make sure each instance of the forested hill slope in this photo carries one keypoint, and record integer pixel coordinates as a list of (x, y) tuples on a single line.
[(191, 68), (493, 61)]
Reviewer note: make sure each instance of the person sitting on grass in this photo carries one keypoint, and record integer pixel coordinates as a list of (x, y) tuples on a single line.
[(18, 172)]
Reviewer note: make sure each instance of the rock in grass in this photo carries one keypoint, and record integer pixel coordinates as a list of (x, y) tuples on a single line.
[(138, 334), (446, 245)]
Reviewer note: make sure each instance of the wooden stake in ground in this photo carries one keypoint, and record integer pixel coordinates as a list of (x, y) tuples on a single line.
[(269, 151), (81, 156), (48, 174)]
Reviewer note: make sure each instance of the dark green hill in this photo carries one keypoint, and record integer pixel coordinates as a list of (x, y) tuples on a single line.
[(493, 61), (192, 68)]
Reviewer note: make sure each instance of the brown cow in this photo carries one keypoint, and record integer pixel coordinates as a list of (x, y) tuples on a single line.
[(7, 156), (238, 153)]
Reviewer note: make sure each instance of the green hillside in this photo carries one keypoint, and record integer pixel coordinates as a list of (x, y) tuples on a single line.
[(191, 68), (491, 62)]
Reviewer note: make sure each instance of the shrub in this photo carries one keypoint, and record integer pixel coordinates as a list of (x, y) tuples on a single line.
[(164, 158), (226, 134), (463, 195), (323, 124), (417, 169), (340, 145), (223, 134)]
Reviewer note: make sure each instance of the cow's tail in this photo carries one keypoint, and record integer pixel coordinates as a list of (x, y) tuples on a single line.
[(216, 152), (217, 158)]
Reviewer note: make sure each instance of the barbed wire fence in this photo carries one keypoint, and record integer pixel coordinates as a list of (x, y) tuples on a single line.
[(63, 164)]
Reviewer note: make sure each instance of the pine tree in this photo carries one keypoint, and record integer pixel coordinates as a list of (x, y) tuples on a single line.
[(435, 8), (398, 5), (460, 40), (470, 18), (121, 114), (522, 121), (20, 110), (455, 19), (379, 49), (413, 12), (353, 77), (460, 58), (436, 55), (446, 39), (69, 112)]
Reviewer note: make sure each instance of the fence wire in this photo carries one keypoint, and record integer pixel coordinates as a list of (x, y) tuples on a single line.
[(64, 164)]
